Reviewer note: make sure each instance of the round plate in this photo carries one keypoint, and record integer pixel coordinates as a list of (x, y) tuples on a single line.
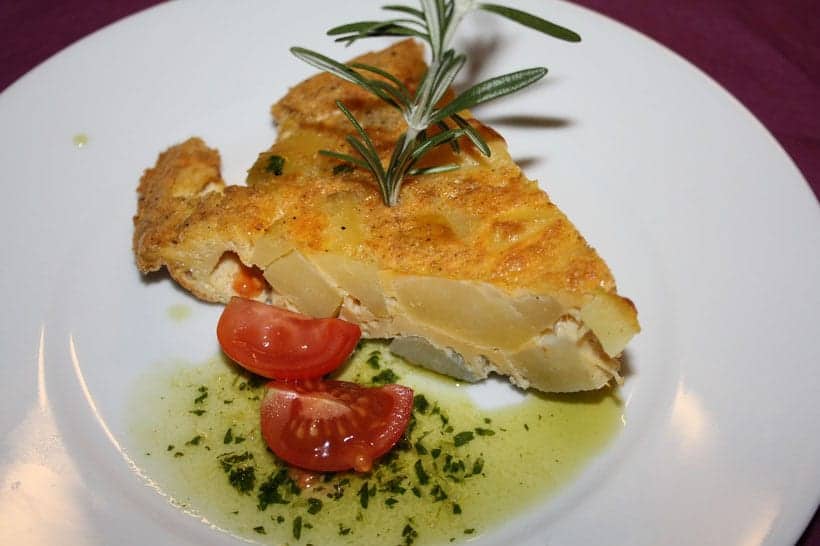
[(704, 220)]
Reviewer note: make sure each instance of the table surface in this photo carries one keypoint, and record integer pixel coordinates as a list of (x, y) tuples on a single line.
[(767, 54)]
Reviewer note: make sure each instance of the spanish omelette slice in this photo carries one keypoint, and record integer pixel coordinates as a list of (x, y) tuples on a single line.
[(474, 271)]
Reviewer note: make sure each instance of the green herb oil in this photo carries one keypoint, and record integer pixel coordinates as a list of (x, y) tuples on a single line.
[(459, 470)]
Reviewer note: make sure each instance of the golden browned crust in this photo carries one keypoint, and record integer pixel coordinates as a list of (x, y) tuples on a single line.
[(311, 105), (483, 222)]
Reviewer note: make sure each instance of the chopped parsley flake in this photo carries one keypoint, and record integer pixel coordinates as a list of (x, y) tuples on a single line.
[(453, 467), (484, 431), (409, 534), (297, 527), (420, 403), (365, 492), (478, 466), (314, 506), (385, 377), (463, 438), (195, 441), (421, 474), (240, 470), (197, 412), (229, 460), (275, 165), (444, 419), (343, 168), (373, 360), (243, 478), (203, 390), (438, 493), (277, 489), (260, 530), (394, 485)]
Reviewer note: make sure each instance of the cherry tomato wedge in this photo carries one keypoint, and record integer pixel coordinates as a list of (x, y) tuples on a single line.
[(328, 426), (278, 344)]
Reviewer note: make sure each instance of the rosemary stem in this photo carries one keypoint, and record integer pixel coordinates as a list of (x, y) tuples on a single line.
[(460, 9), (397, 175), (418, 115)]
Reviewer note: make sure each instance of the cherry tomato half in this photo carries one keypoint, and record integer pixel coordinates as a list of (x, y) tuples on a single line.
[(278, 344), (328, 426)]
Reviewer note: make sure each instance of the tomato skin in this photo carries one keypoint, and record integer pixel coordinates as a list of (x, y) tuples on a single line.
[(328, 426), (278, 344)]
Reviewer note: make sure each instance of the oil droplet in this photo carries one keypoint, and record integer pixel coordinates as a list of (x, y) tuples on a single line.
[(179, 312), (80, 140)]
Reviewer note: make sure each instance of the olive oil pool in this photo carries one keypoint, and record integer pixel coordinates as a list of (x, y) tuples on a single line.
[(459, 471)]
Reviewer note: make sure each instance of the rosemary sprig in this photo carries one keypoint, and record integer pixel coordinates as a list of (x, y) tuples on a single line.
[(435, 23)]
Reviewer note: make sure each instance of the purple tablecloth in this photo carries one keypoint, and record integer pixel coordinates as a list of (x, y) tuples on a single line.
[(766, 53)]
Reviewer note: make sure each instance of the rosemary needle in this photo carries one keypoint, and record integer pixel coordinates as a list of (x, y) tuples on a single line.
[(435, 23)]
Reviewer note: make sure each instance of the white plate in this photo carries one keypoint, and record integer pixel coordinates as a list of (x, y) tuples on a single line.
[(706, 223)]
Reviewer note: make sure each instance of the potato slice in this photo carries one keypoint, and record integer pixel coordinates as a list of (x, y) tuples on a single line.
[(612, 319), (565, 359), (359, 279), (469, 310), (271, 246), (299, 280)]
